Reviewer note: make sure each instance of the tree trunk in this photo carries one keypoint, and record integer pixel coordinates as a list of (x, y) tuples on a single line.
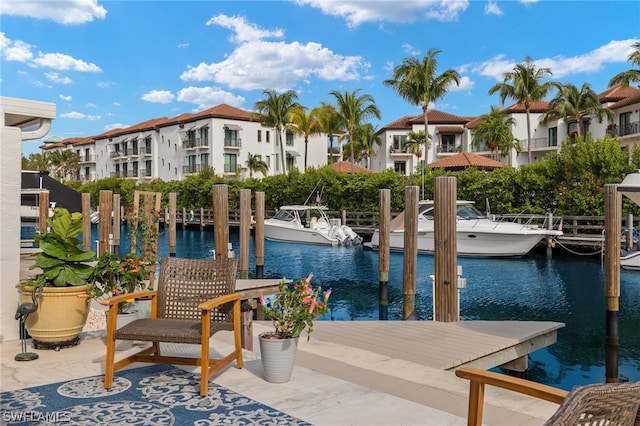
[(528, 133), (284, 171)]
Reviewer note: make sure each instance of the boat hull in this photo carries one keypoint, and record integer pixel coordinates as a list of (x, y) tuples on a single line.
[(276, 232), (631, 261)]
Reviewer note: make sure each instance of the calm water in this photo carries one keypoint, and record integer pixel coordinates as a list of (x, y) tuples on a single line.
[(569, 290)]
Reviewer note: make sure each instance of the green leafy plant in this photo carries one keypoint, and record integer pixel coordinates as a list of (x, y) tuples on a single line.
[(62, 260), (113, 276), (295, 307)]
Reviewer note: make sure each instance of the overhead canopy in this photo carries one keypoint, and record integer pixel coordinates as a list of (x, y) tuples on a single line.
[(232, 127), (466, 159), (62, 195), (293, 154), (630, 186)]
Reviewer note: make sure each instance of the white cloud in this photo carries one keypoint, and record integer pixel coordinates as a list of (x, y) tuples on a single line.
[(80, 116), (260, 64), (492, 8), (357, 12), (64, 12), (206, 97), (410, 49), (57, 78), (158, 96), (104, 84), (91, 105), (183, 45), (65, 97), (11, 50), (243, 30), (465, 84), (62, 62), (561, 66), (116, 126), (116, 104)]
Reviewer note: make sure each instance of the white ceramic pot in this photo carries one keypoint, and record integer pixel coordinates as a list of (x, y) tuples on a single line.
[(278, 357)]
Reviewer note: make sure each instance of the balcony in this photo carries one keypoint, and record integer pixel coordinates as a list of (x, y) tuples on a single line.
[(449, 149), (629, 129), (87, 159), (233, 143), (144, 151), (191, 169), (115, 154), (145, 174), (87, 177)]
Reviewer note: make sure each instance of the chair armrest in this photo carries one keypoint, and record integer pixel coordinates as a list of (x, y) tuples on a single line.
[(217, 301), (128, 296), (527, 387)]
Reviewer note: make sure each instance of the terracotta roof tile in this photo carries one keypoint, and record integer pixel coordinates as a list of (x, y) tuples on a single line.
[(345, 167), (535, 106), (630, 100), (466, 159), (614, 94), (450, 129), (399, 124), (439, 117)]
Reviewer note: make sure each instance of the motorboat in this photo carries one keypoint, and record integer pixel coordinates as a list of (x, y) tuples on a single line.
[(308, 224), (630, 259), (477, 234)]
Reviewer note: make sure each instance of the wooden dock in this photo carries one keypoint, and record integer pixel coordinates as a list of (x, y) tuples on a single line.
[(439, 345)]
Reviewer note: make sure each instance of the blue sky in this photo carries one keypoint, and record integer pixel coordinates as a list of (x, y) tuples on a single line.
[(108, 64)]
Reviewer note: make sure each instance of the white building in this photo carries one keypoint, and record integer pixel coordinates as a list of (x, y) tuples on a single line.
[(221, 137), (451, 134)]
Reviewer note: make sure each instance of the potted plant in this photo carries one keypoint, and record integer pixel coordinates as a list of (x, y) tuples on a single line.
[(292, 312), (65, 277)]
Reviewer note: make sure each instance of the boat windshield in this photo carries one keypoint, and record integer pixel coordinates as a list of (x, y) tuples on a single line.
[(285, 215), (469, 212)]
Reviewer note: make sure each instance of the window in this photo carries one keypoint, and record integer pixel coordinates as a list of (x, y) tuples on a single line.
[(189, 139), (267, 135), (204, 160), (231, 138), (277, 162), (230, 163), (268, 161), (553, 136), (448, 143), (191, 166), (289, 138), (626, 128), (398, 142), (290, 161), (259, 135), (147, 168), (135, 169), (400, 167), (204, 136), (147, 146)]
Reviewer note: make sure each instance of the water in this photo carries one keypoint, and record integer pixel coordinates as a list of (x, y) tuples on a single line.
[(569, 290)]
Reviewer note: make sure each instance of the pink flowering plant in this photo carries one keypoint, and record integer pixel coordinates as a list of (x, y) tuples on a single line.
[(295, 307)]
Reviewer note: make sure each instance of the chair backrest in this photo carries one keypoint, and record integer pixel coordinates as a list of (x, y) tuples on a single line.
[(610, 403), (185, 283)]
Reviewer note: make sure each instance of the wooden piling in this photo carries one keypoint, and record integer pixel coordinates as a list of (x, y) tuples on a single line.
[(116, 225), (549, 240), (258, 234), (221, 220), (410, 251), (173, 197), (612, 225), (86, 220), (245, 226), (104, 224), (445, 249), (43, 211), (629, 232), (383, 254)]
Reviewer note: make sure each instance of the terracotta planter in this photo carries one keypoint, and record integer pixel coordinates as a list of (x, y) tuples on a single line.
[(61, 315), (278, 357)]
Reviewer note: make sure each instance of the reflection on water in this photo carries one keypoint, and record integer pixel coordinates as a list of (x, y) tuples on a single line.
[(569, 290)]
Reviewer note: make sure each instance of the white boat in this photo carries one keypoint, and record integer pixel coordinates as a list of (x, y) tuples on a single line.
[(477, 235), (630, 258), (308, 224)]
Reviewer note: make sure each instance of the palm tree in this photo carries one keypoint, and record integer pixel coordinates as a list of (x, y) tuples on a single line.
[(65, 162), (274, 111), (353, 110), (255, 163), (366, 142), (416, 82), (305, 125), (494, 130), (524, 85), (573, 105), (330, 122), (415, 142), (633, 75)]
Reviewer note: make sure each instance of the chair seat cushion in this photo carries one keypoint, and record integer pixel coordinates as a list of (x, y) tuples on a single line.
[(167, 330)]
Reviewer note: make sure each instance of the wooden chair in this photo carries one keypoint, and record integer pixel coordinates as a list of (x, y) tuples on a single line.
[(194, 300), (600, 404)]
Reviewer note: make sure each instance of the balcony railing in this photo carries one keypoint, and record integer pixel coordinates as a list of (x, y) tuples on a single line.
[(233, 143), (145, 173), (191, 168), (87, 159), (629, 129), (144, 151), (87, 177), (115, 154), (449, 149), (230, 168)]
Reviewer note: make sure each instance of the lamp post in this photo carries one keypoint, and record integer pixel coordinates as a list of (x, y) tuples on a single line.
[(629, 187)]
